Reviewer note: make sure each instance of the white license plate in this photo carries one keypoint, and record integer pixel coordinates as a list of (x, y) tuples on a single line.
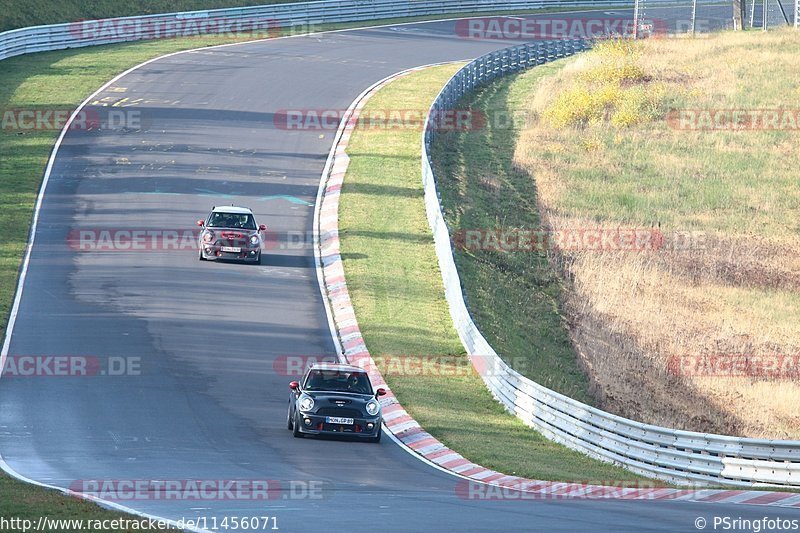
[(338, 420), (234, 249)]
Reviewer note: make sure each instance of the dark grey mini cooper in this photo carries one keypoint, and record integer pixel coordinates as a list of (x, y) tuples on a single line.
[(335, 399)]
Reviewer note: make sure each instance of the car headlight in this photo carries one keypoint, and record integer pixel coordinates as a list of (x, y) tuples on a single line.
[(208, 236), (254, 240), (306, 403), (373, 407)]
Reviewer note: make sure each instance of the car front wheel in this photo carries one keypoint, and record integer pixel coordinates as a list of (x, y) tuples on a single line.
[(296, 428), (377, 438)]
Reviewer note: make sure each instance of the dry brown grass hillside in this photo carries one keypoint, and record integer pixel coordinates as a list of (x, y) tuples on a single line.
[(659, 329)]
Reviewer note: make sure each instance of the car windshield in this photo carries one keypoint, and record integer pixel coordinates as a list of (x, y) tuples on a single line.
[(231, 220), (338, 381)]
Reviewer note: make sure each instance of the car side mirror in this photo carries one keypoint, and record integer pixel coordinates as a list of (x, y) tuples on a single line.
[(263, 227), (380, 392), (200, 223), (294, 385)]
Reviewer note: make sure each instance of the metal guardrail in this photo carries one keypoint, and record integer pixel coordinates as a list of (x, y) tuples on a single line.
[(260, 19), (673, 455)]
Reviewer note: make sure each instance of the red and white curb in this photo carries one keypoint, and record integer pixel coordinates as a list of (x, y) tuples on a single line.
[(476, 481)]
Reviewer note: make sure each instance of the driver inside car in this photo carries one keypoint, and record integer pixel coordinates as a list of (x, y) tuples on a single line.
[(356, 384)]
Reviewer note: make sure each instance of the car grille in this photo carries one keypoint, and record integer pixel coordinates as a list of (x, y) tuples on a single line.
[(340, 412)]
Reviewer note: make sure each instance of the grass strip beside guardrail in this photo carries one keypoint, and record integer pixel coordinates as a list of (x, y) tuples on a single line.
[(513, 297), (396, 288)]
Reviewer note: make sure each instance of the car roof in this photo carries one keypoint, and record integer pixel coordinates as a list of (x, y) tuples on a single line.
[(336, 366), (232, 209)]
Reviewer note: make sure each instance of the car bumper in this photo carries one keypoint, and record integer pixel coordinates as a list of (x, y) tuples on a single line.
[(311, 424), (213, 251)]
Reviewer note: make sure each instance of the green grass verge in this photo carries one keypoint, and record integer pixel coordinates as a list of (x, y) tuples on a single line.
[(513, 297), (396, 288), (28, 502)]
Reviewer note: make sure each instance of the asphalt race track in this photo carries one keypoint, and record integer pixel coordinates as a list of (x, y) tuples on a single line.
[(208, 403)]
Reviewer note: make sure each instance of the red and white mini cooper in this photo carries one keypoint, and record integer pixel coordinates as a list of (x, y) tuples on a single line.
[(231, 233)]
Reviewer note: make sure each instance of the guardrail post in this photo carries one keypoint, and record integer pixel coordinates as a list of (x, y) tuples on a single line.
[(796, 14)]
